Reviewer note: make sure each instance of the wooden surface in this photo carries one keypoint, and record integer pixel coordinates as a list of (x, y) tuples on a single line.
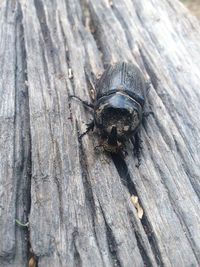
[(77, 200)]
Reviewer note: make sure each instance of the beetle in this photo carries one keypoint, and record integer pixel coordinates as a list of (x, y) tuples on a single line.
[(118, 108)]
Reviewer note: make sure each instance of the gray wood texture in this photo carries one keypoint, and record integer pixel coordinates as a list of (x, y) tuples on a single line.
[(76, 199)]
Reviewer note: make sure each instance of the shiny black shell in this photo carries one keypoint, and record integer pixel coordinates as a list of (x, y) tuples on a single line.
[(119, 103), (123, 77)]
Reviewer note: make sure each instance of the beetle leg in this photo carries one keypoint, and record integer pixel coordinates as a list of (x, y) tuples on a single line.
[(147, 113), (90, 126), (85, 103), (137, 142)]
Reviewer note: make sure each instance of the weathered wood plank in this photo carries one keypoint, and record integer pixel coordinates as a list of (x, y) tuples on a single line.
[(79, 202), (15, 138)]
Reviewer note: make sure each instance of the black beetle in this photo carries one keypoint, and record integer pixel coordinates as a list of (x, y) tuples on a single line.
[(119, 106)]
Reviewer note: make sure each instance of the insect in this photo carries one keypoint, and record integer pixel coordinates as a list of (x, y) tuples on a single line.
[(118, 108)]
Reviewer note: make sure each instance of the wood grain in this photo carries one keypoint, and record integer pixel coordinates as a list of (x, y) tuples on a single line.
[(77, 199)]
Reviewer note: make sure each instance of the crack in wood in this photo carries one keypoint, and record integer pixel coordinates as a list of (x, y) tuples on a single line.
[(86, 182), (124, 173), (44, 29), (67, 60), (77, 257), (112, 244), (152, 240), (181, 219), (190, 173), (145, 258), (88, 190), (62, 35), (171, 143), (149, 69), (124, 24), (22, 137), (128, 183), (57, 162), (95, 29)]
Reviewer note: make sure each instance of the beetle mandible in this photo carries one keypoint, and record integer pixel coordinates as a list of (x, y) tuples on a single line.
[(118, 108)]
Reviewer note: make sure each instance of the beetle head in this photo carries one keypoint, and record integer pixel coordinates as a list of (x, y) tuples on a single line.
[(117, 115)]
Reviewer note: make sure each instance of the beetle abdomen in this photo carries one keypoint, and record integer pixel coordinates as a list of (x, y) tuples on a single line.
[(123, 77)]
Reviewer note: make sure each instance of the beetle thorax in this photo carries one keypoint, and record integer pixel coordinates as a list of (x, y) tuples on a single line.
[(121, 119), (119, 111)]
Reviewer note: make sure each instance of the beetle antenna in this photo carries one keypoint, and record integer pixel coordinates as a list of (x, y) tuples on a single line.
[(137, 143), (85, 103)]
